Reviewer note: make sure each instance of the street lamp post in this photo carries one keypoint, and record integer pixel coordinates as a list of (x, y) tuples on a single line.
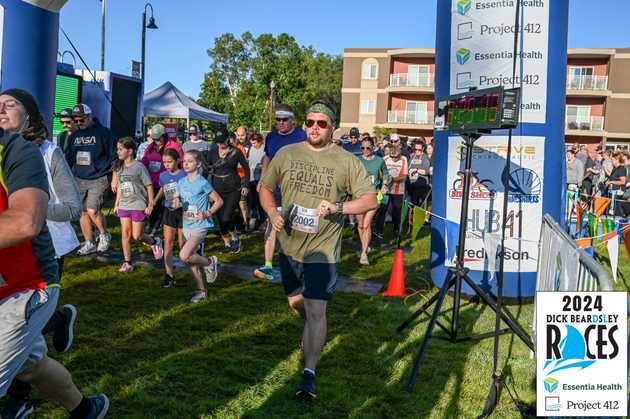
[(103, 7), (272, 101), (145, 26)]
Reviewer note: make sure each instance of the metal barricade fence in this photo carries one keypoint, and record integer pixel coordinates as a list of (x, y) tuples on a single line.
[(564, 266)]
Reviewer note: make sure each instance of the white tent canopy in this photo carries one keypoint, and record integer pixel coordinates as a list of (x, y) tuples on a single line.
[(167, 101)]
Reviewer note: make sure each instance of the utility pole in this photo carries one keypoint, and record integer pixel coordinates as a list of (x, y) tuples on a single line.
[(103, 6)]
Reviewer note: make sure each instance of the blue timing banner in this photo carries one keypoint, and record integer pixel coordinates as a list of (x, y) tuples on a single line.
[(475, 48), (29, 34)]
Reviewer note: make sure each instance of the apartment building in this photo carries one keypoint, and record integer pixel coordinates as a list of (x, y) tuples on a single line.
[(394, 88)]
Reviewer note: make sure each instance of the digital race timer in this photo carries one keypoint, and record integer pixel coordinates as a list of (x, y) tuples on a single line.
[(487, 109)]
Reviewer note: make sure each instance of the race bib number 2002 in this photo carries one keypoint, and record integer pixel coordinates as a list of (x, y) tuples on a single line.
[(581, 353), (306, 220)]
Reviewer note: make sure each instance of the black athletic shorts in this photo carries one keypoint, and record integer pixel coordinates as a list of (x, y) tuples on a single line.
[(172, 218), (315, 281)]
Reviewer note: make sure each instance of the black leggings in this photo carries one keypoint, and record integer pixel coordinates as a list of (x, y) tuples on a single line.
[(395, 202), (155, 219), (253, 203), (225, 215)]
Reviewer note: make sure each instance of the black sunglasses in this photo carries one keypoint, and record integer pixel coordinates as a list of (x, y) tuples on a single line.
[(320, 123), (366, 148), (282, 119), (79, 120)]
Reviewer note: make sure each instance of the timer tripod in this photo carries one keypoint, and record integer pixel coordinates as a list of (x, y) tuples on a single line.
[(454, 278)]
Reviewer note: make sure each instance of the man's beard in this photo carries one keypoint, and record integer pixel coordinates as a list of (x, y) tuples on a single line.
[(319, 142)]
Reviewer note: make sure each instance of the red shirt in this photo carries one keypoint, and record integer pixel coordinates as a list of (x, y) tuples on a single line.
[(152, 159), (31, 264)]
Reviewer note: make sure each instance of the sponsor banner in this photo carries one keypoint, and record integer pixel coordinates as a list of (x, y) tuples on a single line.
[(482, 50), (485, 210), (581, 354)]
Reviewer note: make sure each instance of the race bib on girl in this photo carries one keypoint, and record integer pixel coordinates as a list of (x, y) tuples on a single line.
[(191, 212), (84, 158), (155, 166), (170, 191), (306, 220), (127, 189)]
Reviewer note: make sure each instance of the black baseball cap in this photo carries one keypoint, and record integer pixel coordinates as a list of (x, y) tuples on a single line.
[(193, 129), (65, 113), (221, 136), (81, 110)]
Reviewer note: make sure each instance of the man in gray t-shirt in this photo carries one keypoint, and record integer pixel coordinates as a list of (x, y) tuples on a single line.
[(195, 142)]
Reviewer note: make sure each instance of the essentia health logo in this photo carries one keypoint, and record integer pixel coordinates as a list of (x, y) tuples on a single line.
[(463, 55), (464, 6)]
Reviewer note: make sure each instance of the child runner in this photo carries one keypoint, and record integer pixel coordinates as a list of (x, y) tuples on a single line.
[(171, 218), (194, 197), (134, 201)]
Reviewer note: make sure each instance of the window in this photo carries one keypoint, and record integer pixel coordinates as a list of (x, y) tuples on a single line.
[(370, 71), (578, 117), (616, 146), (418, 76), (580, 78), (368, 107)]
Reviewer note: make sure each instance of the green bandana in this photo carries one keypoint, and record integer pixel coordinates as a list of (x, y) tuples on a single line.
[(322, 108)]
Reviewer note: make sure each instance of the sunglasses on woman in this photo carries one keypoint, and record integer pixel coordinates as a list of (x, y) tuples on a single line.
[(320, 123), (366, 148), (282, 119)]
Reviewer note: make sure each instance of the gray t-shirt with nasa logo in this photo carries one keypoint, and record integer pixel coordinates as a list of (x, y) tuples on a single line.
[(133, 181)]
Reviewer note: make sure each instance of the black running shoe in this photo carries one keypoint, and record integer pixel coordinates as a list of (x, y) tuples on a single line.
[(306, 389), (16, 409), (235, 246), (169, 281), (63, 335)]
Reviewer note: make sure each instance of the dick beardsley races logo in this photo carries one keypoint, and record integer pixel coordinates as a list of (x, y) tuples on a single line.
[(582, 353)]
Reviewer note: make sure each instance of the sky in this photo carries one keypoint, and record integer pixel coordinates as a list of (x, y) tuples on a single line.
[(177, 50)]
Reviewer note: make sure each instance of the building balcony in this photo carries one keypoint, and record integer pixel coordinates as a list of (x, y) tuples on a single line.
[(410, 82), (588, 86), (409, 120), (593, 126)]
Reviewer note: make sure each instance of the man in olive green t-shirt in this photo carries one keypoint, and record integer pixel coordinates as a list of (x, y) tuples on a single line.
[(316, 178)]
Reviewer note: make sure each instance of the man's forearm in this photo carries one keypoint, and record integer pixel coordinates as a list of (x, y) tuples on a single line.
[(17, 227), (268, 202), (361, 205)]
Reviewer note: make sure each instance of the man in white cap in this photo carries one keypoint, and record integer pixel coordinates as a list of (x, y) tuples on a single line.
[(90, 153), (285, 133)]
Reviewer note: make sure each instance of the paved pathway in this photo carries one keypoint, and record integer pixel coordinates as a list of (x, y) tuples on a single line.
[(238, 270)]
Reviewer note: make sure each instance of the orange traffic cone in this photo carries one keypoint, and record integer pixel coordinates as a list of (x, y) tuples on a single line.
[(396, 286)]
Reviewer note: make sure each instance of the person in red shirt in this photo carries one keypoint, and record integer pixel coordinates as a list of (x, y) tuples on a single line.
[(29, 277), (152, 159)]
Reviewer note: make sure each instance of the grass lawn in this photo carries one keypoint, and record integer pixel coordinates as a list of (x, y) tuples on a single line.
[(238, 355)]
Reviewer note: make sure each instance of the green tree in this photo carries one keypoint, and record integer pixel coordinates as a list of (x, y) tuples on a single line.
[(241, 70)]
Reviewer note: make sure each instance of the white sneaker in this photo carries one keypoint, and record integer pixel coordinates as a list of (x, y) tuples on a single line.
[(198, 297), (364, 259), (103, 242), (212, 270), (87, 248), (157, 248)]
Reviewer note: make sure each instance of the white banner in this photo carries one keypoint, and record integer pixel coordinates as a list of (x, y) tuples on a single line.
[(482, 45), (485, 208), (581, 354)]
